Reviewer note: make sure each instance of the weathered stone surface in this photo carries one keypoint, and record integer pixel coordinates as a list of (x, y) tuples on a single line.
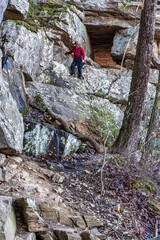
[(2, 159), (71, 28), (17, 10), (9, 167), (48, 142), (96, 233), (110, 7), (75, 101), (15, 159), (30, 50), (11, 122), (7, 219), (14, 81), (79, 222), (57, 178), (76, 3), (10, 170), (125, 41), (60, 100), (59, 218), (54, 213), (1, 175), (88, 236), (26, 236), (93, 221), (103, 18), (67, 234), (3, 6), (95, 84), (33, 220), (47, 236), (106, 16)]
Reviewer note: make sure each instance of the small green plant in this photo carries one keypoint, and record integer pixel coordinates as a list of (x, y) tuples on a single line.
[(101, 122), (39, 100), (153, 206), (25, 110), (34, 2)]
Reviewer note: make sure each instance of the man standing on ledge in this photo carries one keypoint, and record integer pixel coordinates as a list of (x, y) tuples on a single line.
[(79, 57)]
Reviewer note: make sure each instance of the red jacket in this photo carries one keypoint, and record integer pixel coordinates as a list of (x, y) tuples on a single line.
[(78, 52)]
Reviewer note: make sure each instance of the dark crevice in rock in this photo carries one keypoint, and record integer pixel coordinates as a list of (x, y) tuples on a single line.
[(14, 81), (101, 42), (56, 81), (12, 14), (27, 77)]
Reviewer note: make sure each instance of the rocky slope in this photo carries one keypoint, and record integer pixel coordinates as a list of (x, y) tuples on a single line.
[(37, 90)]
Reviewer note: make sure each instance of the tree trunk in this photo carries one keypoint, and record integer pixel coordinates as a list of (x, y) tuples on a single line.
[(153, 126), (126, 142)]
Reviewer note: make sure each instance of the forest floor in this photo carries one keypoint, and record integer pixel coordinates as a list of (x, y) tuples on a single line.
[(130, 203)]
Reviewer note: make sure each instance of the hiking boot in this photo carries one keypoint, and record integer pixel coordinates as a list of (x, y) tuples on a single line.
[(72, 75), (81, 77)]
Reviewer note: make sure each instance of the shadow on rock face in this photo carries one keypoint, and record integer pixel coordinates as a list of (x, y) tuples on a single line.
[(56, 81)]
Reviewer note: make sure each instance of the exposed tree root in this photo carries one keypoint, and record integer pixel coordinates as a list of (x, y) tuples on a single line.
[(65, 125)]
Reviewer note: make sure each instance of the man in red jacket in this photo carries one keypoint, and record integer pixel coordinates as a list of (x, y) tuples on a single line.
[(79, 57)]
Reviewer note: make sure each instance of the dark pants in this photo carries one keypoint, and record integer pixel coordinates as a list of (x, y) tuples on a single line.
[(78, 62)]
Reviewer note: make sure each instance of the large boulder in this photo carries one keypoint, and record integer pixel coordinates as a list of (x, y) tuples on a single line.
[(43, 141), (7, 219), (66, 24), (70, 97), (28, 49), (17, 10), (125, 41), (11, 122), (78, 94), (3, 6)]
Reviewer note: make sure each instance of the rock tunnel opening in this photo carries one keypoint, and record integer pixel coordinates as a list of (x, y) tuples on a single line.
[(101, 43)]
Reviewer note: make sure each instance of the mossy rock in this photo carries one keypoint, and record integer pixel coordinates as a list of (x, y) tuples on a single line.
[(146, 185), (119, 161), (137, 184), (43, 15), (30, 26), (153, 206)]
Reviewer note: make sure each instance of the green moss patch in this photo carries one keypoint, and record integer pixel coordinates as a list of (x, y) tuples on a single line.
[(24, 111), (153, 206), (113, 100), (47, 14), (119, 161), (39, 101), (31, 27), (145, 185)]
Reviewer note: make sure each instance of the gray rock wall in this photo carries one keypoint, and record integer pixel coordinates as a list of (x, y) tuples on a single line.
[(7, 219), (3, 6), (11, 122), (17, 10)]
